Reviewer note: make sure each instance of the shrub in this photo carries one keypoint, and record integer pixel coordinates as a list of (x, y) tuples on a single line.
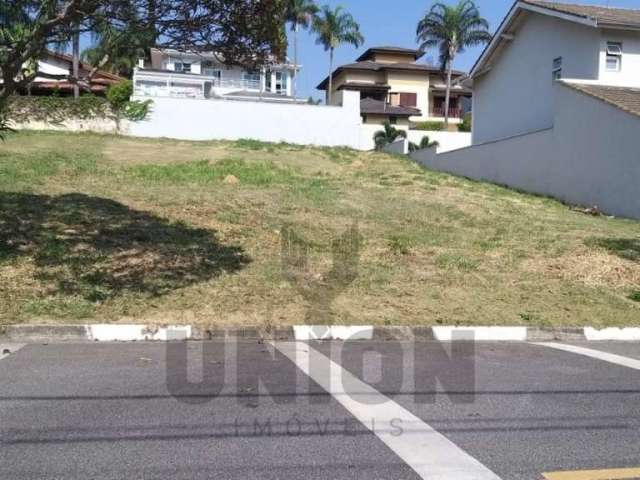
[(635, 296), (388, 135), (4, 120), (119, 98), (118, 95), (465, 126), (425, 142), (429, 126)]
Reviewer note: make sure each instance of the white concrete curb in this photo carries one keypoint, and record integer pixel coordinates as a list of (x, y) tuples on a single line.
[(141, 333)]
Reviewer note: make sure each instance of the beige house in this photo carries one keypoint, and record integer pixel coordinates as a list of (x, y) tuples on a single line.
[(394, 86)]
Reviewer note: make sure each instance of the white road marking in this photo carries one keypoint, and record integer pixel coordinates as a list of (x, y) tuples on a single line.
[(588, 352), (430, 454), (11, 347)]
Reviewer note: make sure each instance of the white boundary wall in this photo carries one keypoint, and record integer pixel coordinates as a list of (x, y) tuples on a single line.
[(590, 157), (191, 119), (448, 140)]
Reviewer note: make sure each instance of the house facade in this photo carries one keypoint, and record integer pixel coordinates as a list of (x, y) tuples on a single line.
[(556, 107), (539, 43), (172, 73), (394, 86)]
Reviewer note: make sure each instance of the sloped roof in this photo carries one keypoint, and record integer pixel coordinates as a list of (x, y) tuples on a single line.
[(371, 106), (85, 67), (604, 16), (370, 66), (624, 98), (387, 49), (589, 15)]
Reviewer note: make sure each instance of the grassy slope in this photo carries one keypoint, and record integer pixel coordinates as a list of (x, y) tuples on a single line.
[(117, 229)]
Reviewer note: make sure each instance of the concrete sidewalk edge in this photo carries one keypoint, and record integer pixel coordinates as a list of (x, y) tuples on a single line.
[(134, 332)]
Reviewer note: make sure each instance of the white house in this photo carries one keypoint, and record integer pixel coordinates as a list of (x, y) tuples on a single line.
[(172, 73), (539, 42), (556, 106)]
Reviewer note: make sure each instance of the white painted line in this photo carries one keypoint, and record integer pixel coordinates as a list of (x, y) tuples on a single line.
[(11, 347), (612, 334), (430, 454), (589, 352), (480, 334), (332, 332)]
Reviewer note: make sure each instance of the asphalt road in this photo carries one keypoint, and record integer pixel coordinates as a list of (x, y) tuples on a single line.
[(255, 411)]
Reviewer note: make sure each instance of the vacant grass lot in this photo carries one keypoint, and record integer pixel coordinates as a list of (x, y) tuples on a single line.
[(104, 228)]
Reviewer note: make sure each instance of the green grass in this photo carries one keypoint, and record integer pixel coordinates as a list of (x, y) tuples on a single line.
[(106, 228), (204, 172)]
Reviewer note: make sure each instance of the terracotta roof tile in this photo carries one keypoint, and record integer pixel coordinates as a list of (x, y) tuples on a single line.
[(624, 98)]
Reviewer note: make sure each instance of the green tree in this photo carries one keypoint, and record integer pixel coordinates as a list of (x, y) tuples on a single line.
[(387, 135), (300, 13), (335, 27), (452, 29)]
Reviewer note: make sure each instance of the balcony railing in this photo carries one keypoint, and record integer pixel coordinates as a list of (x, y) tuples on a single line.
[(453, 112), (240, 84)]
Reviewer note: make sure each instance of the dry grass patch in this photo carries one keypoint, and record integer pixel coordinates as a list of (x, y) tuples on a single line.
[(106, 228)]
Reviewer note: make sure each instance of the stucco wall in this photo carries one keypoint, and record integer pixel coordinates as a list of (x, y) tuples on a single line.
[(98, 125), (399, 147), (412, 82), (590, 157), (191, 119), (516, 95), (629, 74)]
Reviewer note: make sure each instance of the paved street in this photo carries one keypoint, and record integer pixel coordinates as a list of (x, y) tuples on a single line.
[(359, 410)]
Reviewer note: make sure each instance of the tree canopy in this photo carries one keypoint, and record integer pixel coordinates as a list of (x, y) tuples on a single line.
[(245, 32)]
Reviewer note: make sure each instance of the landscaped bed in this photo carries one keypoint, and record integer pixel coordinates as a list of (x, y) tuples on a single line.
[(114, 229)]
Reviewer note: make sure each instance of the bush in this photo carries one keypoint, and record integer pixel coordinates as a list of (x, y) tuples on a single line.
[(430, 126), (4, 120), (118, 95), (465, 126), (119, 98)]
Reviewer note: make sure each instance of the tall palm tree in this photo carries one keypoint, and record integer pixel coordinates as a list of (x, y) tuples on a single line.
[(335, 27), (300, 13), (452, 29)]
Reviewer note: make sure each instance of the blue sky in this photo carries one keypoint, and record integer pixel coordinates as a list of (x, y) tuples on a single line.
[(385, 22)]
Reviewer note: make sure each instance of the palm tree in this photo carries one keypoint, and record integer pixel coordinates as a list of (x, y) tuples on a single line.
[(390, 134), (452, 29), (335, 27), (300, 13)]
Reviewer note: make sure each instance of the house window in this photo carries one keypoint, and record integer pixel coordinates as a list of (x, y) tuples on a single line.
[(393, 120), (409, 99), (211, 70), (557, 68), (182, 67), (614, 57)]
